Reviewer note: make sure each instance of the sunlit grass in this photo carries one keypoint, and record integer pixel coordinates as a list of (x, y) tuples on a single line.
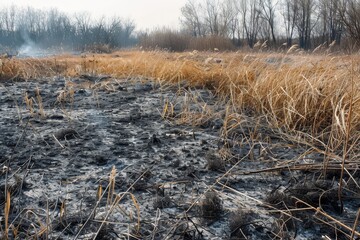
[(310, 93)]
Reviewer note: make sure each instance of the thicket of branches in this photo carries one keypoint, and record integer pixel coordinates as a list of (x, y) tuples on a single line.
[(52, 28), (281, 22), (205, 24), (178, 41)]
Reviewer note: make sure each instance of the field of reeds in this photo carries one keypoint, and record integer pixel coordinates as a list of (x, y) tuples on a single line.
[(312, 100)]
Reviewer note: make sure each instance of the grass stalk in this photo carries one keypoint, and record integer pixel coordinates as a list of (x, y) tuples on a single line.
[(347, 138)]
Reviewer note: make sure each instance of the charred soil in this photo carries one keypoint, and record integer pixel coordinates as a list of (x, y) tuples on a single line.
[(131, 159)]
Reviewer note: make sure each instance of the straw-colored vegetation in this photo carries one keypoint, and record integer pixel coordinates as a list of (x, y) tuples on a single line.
[(309, 99), (312, 93), (312, 99)]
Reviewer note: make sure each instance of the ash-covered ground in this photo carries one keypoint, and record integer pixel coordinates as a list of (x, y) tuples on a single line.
[(111, 160)]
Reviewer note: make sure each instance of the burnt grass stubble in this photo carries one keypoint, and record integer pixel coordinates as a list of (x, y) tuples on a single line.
[(54, 166)]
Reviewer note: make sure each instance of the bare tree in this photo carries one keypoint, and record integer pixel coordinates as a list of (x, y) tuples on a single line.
[(212, 16), (330, 24), (234, 27), (128, 29), (191, 18), (289, 12), (52, 28), (59, 28), (227, 16), (8, 19), (113, 29), (268, 14), (251, 15), (98, 31), (305, 22), (83, 27), (349, 11)]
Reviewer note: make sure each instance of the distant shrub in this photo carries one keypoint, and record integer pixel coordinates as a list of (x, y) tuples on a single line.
[(177, 42), (211, 43), (98, 48), (165, 39)]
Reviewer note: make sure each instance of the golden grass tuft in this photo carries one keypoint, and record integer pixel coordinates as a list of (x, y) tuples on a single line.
[(8, 68)]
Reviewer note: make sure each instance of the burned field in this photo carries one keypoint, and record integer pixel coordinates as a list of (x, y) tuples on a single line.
[(105, 157)]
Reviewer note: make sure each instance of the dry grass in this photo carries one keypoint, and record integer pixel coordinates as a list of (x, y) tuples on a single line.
[(310, 99), (310, 93)]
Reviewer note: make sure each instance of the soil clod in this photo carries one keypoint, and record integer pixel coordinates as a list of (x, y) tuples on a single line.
[(66, 134)]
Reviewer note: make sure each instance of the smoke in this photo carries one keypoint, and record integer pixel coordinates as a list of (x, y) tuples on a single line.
[(31, 49)]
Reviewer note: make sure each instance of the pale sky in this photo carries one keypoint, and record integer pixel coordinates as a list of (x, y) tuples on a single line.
[(147, 14)]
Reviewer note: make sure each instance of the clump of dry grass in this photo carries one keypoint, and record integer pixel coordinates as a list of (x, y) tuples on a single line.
[(29, 104), (239, 221), (9, 69), (29, 101), (214, 161), (211, 206)]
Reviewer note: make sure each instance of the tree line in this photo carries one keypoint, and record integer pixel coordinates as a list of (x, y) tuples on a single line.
[(309, 23), (53, 28), (205, 24)]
